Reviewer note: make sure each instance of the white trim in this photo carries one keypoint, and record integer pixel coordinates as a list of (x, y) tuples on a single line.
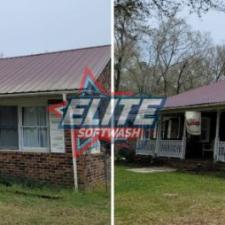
[(20, 134), (35, 149), (56, 145)]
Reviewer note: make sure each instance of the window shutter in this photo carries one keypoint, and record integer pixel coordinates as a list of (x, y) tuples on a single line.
[(57, 135)]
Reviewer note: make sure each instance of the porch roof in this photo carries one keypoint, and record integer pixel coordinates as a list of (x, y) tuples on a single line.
[(206, 95), (50, 72)]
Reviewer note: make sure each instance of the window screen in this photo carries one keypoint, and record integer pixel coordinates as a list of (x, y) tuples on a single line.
[(8, 127)]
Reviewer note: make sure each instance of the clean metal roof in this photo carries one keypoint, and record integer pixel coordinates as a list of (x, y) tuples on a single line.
[(50, 71), (209, 94)]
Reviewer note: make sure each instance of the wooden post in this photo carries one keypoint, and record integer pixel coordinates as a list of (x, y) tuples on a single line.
[(217, 138), (184, 140), (158, 138)]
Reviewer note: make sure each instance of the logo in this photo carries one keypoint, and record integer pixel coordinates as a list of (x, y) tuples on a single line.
[(94, 114)]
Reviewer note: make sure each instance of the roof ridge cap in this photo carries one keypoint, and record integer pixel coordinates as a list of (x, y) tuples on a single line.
[(54, 52)]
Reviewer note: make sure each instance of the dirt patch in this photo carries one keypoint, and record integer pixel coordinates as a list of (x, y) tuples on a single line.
[(152, 170)]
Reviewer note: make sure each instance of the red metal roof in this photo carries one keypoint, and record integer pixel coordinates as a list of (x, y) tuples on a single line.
[(210, 94), (51, 71)]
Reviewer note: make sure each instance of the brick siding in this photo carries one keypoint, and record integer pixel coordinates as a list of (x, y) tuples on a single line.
[(54, 168)]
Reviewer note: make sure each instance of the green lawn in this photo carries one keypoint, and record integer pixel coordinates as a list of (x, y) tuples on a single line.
[(169, 198), (25, 206)]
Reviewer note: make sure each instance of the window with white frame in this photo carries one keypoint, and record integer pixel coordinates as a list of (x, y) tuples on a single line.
[(8, 127), (171, 127), (34, 127)]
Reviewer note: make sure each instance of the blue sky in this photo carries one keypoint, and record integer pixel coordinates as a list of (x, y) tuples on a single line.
[(34, 26)]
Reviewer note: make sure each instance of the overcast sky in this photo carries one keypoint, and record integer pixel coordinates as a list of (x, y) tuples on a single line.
[(212, 22), (34, 26)]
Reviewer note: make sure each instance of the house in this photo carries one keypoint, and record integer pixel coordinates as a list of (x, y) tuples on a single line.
[(31, 145), (173, 140)]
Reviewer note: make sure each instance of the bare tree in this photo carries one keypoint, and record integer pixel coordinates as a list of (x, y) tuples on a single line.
[(169, 54), (130, 18), (216, 61), (129, 21)]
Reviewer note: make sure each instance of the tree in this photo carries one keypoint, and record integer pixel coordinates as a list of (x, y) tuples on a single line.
[(130, 18), (216, 61), (168, 58)]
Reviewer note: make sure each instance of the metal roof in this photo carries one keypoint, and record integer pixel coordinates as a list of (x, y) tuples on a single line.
[(210, 94), (50, 71)]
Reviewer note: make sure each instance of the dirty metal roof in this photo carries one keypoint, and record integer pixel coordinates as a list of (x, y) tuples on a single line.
[(50, 71), (210, 94)]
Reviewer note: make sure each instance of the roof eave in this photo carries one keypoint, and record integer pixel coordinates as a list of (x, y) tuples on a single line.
[(199, 107), (38, 93)]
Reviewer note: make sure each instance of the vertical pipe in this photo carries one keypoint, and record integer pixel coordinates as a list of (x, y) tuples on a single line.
[(158, 138), (184, 140), (216, 142), (73, 147)]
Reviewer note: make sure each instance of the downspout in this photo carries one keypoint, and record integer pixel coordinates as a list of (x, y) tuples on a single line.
[(75, 177), (184, 140), (158, 137), (217, 138)]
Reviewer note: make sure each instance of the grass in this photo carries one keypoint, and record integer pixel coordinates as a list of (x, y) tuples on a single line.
[(169, 198), (21, 205)]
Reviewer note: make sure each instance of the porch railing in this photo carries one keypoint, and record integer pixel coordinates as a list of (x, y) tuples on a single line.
[(145, 147), (221, 151), (167, 148), (170, 148)]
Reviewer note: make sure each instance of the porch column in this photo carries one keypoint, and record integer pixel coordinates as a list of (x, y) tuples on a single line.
[(184, 140), (158, 137), (217, 138)]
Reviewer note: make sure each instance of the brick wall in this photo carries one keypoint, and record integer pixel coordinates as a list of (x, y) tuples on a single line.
[(49, 168), (54, 168), (93, 169)]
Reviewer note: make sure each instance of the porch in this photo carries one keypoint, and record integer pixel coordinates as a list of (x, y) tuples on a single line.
[(170, 138)]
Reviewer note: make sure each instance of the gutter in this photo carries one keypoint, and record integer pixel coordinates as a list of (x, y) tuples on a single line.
[(199, 107), (38, 93)]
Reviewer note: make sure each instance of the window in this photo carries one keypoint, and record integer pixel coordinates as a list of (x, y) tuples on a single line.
[(8, 127), (171, 128), (34, 127)]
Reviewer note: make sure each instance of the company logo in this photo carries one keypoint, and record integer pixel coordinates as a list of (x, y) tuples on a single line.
[(94, 114)]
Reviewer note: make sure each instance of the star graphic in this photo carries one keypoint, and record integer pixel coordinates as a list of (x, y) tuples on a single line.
[(88, 86)]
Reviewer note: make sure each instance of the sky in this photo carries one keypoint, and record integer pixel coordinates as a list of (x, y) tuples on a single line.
[(212, 22), (36, 26)]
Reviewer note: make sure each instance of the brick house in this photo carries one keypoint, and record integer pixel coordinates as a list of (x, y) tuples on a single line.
[(31, 147)]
